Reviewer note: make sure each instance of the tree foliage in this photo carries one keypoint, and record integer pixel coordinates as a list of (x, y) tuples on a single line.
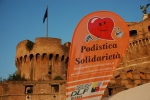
[(29, 45), (58, 78), (16, 77)]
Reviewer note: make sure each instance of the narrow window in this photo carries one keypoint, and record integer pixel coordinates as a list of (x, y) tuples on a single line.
[(62, 58), (44, 56), (110, 91), (21, 59), (147, 41), (37, 56), (56, 57), (148, 28), (18, 61), (140, 42), (31, 57), (50, 56), (25, 58), (67, 59)]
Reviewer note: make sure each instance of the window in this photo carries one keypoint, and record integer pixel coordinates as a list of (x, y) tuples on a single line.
[(29, 89), (54, 88), (31, 57), (67, 59), (56, 57), (21, 59), (44, 56), (25, 58), (50, 56), (133, 33), (110, 90), (148, 28), (62, 58), (37, 56)]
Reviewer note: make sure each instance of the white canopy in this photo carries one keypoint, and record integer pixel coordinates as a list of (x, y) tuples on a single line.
[(141, 92)]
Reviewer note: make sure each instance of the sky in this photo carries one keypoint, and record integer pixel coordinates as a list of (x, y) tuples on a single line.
[(23, 19)]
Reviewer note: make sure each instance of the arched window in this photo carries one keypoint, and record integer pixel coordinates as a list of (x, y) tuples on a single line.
[(56, 57), (62, 58), (25, 58), (148, 28), (37, 56), (147, 41), (140, 42), (31, 57), (50, 56), (21, 59), (67, 59), (133, 44), (44, 56), (18, 61), (136, 43)]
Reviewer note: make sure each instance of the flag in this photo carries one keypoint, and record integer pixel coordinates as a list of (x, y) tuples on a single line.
[(45, 15)]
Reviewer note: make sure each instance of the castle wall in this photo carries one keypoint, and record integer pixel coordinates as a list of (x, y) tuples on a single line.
[(134, 69), (37, 90)]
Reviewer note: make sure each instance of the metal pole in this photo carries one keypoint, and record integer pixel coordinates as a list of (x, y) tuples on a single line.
[(47, 22)]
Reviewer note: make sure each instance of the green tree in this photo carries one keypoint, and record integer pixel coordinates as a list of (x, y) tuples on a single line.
[(16, 77), (58, 78), (29, 45)]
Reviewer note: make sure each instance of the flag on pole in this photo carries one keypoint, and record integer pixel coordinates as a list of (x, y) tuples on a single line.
[(45, 15)]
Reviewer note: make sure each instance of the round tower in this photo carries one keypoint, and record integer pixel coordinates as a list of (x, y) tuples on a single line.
[(44, 59)]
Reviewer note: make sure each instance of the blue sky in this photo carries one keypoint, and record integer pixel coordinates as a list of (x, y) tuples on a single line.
[(23, 19)]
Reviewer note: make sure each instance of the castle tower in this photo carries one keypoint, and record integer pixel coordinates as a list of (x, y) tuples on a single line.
[(45, 59)]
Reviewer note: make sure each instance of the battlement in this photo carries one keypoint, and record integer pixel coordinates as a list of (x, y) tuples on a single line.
[(40, 45), (131, 23)]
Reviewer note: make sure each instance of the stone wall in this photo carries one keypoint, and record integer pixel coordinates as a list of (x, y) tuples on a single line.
[(134, 70), (33, 90)]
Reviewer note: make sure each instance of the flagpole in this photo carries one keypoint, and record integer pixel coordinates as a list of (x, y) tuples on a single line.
[(47, 23)]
